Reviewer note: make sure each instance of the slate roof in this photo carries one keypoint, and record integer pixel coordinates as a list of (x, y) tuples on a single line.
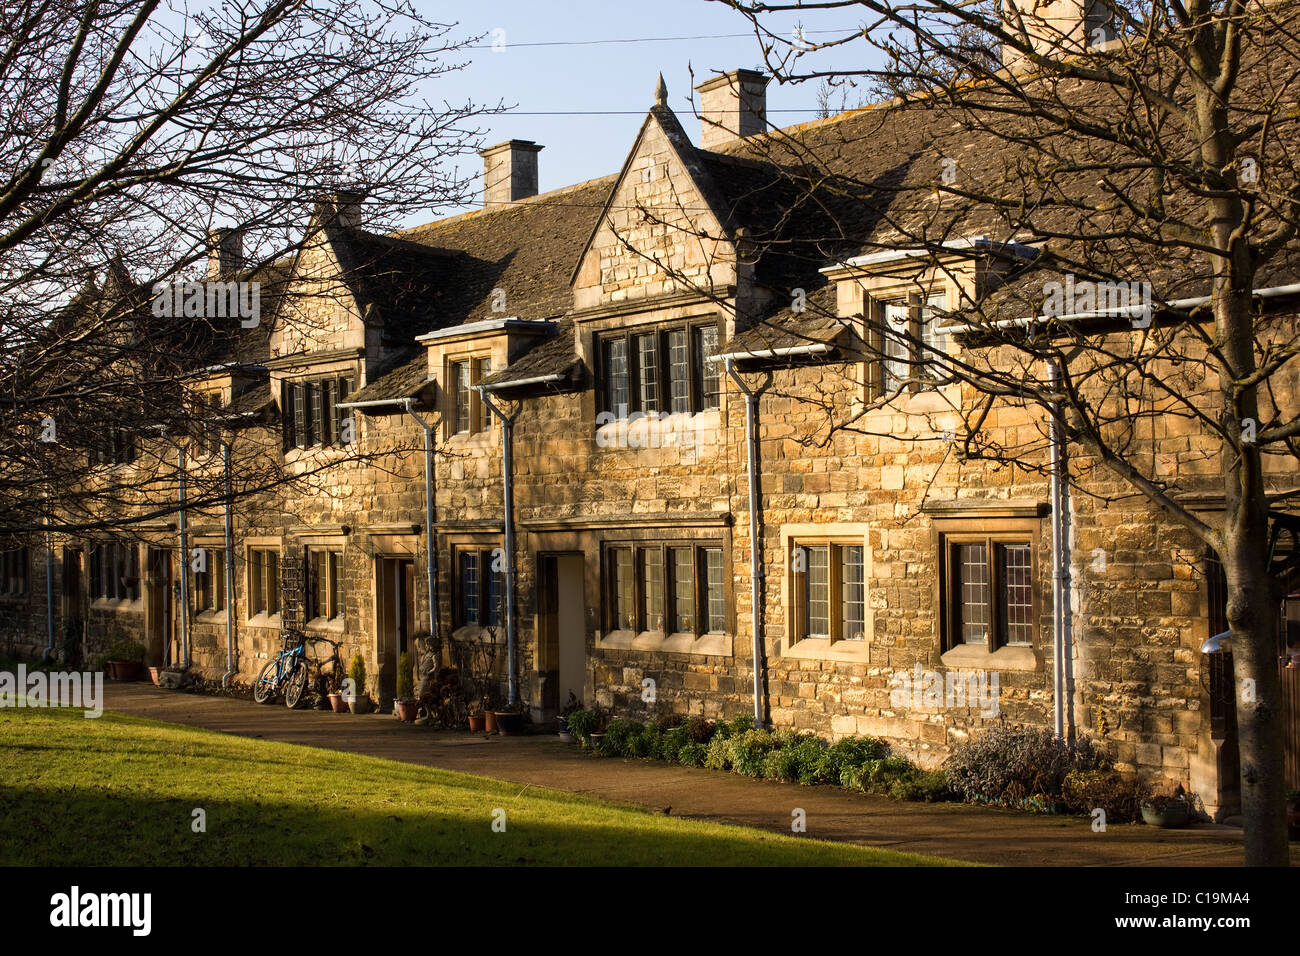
[(407, 380)]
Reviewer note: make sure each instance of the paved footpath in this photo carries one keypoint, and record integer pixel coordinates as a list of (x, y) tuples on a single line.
[(979, 834)]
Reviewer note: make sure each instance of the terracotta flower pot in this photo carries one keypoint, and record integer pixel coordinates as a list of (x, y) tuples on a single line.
[(490, 722), (407, 709), (153, 675), (124, 670), (337, 702), (476, 724), (359, 705)]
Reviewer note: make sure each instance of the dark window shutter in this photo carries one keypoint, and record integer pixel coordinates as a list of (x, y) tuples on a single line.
[(875, 346), (286, 415)]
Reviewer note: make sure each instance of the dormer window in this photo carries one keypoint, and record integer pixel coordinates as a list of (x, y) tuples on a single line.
[(907, 341), (468, 413), (664, 369)]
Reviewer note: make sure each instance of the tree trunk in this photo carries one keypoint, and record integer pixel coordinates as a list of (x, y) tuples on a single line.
[(1253, 600)]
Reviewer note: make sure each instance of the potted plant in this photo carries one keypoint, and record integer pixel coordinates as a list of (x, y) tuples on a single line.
[(406, 704), (596, 736), (477, 722), (125, 658), (1166, 806), (510, 722), (570, 707), (358, 703), (489, 714)]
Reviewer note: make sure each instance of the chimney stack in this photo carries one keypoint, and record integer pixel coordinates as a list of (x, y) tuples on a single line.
[(225, 253), (509, 172), (1055, 28), (732, 105)]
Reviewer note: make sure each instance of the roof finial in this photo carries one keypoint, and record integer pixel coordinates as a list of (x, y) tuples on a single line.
[(661, 92)]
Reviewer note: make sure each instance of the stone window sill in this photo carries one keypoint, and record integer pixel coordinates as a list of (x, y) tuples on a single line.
[(714, 644), (474, 632), (104, 604), (1012, 657), (824, 649), (326, 624), (264, 620)]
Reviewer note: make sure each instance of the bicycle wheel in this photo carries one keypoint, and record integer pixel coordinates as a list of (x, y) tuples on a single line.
[(264, 686), (295, 686)]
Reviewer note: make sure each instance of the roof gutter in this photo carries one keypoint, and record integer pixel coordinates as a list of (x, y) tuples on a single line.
[(1119, 311), (816, 348), (535, 380)]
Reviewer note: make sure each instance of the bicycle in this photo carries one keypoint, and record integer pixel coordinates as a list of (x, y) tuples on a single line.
[(287, 670)]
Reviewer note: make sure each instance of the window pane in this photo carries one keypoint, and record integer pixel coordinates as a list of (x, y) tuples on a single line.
[(615, 368), (647, 372), (272, 559), (894, 345), (973, 571), (495, 596), (652, 588), (715, 605), (819, 592), (1017, 595), (683, 591), (256, 586), (336, 598), (460, 375), (624, 614), (853, 593), (706, 344), (469, 587), (679, 370), (936, 342)]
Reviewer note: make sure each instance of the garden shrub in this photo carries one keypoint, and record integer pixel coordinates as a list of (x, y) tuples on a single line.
[(699, 730), (692, 754), (673, 740), (930, 786), (718, 755), (849, 753), (126, 650), (620, 736), (1006, 765), (646, 743), (581, 724), (749, 751), (1120, 795), (740, 724), (879, 776)]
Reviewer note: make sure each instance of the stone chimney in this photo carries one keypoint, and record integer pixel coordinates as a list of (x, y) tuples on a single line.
[(225, 253), (509, 172), (732, 105), (1055, 28)]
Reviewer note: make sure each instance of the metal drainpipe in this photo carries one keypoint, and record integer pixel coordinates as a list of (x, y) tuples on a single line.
[(49, 579), (185, 561), (428, 528), (1060, 560), (230, 570), (755, 556), (508, 482)]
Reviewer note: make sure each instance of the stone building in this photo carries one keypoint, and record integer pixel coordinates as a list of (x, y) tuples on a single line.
[(613, 329)]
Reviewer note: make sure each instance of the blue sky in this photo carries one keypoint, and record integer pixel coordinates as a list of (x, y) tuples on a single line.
[(607, 76)]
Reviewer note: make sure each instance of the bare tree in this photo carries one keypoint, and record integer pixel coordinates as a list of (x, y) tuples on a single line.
[(134, 136), (1144, 147)]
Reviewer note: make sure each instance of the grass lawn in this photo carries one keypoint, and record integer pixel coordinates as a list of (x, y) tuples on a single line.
[(122, 790)]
